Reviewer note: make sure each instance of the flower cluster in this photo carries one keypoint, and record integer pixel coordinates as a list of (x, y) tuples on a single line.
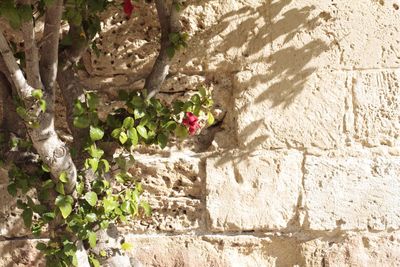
[(128, 8), (191, 122)]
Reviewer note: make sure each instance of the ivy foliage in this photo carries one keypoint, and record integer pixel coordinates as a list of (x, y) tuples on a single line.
[(107, 193)]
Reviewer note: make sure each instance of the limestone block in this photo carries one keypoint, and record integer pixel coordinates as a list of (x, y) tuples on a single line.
[(20, 253), (353, 249), (352, 192), (365, 250), (173, 186), (377, 107), (218, 251), (253, 192), (278, 113), (314, 34)]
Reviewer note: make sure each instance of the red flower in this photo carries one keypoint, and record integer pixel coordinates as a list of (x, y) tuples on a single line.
[(191, 122), (128, 8)]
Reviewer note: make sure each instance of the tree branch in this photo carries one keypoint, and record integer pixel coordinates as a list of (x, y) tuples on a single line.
[(169, 22), (31, 51), (49, 49), (45, 140), (71, 88)]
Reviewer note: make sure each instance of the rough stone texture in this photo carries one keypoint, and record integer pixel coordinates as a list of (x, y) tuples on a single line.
[(377, 111), (20, 253), (352, 193), (303, 165), (11, 223), (253, 192), (174, 190), (271, 115)]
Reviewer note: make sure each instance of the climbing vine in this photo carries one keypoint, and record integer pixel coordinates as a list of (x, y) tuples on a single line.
[(71, 193), (106, 192)]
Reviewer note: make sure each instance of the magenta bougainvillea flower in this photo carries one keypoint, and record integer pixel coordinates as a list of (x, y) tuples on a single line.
[(128, 8), (191, 122)]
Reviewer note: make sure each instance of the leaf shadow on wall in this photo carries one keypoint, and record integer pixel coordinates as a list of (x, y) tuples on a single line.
[(263, 37)]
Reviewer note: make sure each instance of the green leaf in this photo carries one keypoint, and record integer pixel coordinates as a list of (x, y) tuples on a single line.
[(103, 253), (123, 95), (41, 246), (79, 188), (125, 206), (42, 105), (196, 99), (116, 132), (138, 113), (91, 198), (144, 121), (171, 51), (123, 137), (126, 246), (92, 99), (64, 203), (142, 131), (137, 102), (162, 140), (94, 164), (96, 133), (210, 118), (95, 152), (66, 210), (181, 131), (22, 113), (133, 136), (91, 217), (202, 91), (74, 260), (146, 207), (178, 106), (45, 168), (27, 217), (187, 106), (60, 188), (109, 204), (92, 239), (128, 122), (63, 177), (170, 125), (12, 189), (48, 184), (81, 122), (105, 164), (78, 109), (38, 94), (104, 224), (95, 262), (48, 216), (91, 236)]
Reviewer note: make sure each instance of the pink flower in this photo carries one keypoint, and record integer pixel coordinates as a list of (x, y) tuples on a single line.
[(128, 8), (191, 122)]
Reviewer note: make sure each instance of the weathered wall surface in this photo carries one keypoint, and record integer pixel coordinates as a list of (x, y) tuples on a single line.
[(303, 167)]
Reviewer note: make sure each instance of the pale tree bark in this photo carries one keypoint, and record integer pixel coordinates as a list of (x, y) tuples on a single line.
[(31, 51), (69, 83), (169, 23), (45, 140)]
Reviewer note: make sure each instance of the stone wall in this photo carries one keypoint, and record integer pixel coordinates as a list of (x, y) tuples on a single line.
[(303, 165)]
